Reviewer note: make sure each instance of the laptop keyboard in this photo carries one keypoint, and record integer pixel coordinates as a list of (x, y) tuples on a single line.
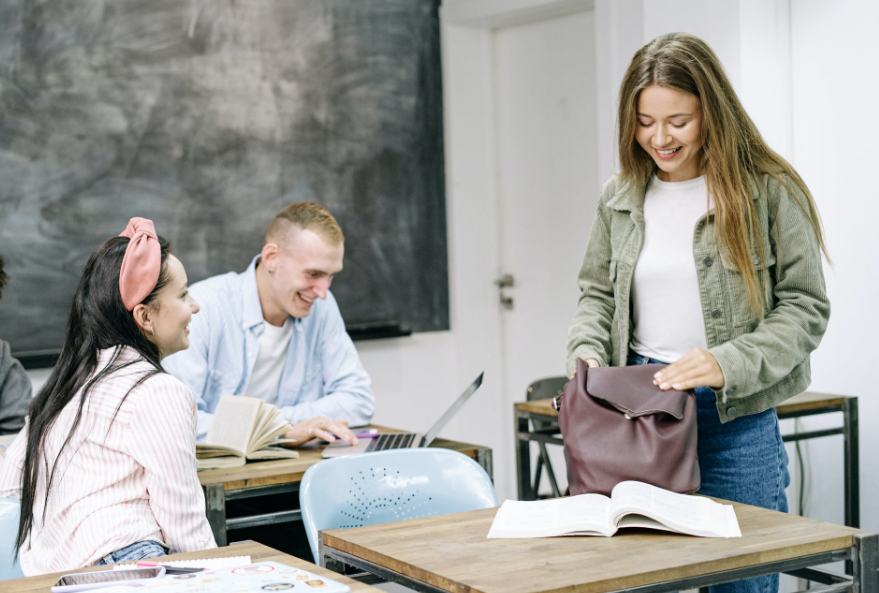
[(398, 440)]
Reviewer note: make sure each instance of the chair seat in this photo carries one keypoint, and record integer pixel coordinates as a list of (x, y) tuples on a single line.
[(10, 509)]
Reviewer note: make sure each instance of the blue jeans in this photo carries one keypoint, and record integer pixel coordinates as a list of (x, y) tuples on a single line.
[(134, 552), (744, 461)]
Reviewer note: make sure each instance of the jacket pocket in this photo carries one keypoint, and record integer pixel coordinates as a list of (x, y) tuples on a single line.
[(736, 296)]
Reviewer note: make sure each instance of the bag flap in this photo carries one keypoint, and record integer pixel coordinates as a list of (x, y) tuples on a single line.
[(631, 390)]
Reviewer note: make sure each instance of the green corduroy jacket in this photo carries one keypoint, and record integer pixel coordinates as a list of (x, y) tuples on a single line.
[(763, 362)]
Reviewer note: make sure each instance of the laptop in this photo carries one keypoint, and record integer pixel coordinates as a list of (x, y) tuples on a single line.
[(402, 440)]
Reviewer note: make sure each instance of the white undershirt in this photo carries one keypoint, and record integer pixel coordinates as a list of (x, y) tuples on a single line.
[(273, 343), (666, 306)]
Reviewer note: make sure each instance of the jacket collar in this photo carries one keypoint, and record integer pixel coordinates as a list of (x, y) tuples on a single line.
[(628, 197), (252, 311)]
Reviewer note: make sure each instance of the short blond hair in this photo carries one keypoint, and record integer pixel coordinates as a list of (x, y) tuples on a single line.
[(305, 216)]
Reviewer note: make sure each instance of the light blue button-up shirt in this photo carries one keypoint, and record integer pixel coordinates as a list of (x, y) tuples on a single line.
[(322, 373)]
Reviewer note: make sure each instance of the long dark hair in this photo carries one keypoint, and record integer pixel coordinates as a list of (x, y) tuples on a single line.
[(98, 320)]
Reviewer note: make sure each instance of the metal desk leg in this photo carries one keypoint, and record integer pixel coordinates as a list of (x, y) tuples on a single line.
[(851, 462), (523, 458), (215, 509), (866, 562)]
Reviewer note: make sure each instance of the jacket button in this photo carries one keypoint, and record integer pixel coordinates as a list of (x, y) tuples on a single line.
[(756, 259), (731, 412), (707, 261), (716, 313), (731, 391)]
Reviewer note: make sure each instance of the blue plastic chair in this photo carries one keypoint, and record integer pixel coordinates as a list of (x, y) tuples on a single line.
[(10, 510), (389, 486)]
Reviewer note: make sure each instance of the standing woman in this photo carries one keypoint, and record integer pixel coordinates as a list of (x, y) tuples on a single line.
[(105, 466), (705, 254)]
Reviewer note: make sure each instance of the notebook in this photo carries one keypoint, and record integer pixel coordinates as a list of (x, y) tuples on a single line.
[(402, 440), (212, 563), (248, 578)]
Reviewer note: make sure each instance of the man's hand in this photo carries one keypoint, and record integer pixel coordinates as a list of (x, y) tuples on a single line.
[(697, 368), (322, 428)]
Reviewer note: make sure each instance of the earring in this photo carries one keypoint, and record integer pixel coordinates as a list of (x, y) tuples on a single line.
[(271, 270), (152, 331)]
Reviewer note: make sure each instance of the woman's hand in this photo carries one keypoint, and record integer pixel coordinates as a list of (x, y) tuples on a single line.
[(322, 428), (697, 368), (591, 363)]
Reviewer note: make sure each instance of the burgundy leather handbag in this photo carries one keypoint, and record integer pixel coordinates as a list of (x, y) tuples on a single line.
[(617, 425)]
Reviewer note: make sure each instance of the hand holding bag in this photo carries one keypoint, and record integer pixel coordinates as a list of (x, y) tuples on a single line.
[(617, 425)]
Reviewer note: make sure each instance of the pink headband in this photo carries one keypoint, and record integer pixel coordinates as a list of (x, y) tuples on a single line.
[(141, 264)]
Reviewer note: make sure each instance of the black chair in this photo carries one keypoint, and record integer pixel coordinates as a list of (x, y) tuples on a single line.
[(545, 389)]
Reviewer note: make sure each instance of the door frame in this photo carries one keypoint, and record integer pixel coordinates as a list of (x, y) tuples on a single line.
[(472, 202)]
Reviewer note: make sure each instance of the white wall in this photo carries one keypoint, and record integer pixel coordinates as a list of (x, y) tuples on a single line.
[(834, 92)]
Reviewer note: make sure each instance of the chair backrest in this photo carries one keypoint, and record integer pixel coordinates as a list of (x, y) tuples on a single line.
[(389, 486), (10, 509), (545, 388)]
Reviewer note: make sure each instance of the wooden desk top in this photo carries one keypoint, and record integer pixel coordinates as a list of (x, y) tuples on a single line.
[(257, 553), (451, 552), (805, 401), (285, 471)]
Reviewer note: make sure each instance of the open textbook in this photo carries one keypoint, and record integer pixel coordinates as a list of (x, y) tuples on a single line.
[(243, 428), (631, 504)]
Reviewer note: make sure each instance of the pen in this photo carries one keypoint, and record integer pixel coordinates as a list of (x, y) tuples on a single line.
[(168, 569), (366, 433)]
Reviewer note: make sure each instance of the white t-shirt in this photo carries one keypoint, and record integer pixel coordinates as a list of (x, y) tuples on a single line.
[(273, 344), (666, 307)]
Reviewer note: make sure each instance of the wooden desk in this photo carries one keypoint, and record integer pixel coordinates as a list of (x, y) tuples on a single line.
[(257, 553), (451, 553), (804, 404), (267, 478)]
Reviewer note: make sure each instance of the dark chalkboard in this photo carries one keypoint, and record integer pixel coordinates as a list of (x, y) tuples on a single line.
[(209, 116)]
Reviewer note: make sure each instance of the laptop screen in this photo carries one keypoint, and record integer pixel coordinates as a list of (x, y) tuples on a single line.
[(462, 399)]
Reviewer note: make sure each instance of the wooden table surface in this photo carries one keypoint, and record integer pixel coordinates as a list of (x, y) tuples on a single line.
[(452, 552), (256, 551), (805, 401), (284, 471)]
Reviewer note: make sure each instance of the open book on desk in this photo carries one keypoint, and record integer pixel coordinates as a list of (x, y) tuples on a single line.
[(631, 504), (243, 428)]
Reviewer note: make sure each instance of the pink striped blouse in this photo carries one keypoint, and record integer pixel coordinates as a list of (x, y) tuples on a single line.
[(117, 483)]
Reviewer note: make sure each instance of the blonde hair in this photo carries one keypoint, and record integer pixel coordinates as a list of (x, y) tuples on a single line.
[(733, 151), (304, 216)]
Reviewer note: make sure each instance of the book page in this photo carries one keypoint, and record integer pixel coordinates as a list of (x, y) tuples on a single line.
[(234, 422), (272, 427), (266, 413), (270, 452), (684, 513), (203, 451), (585, 514)]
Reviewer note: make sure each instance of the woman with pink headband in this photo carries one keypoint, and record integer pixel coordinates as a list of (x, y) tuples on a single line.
[(105, 466)]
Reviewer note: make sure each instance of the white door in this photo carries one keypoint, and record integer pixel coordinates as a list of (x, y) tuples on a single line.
[(546, 155)]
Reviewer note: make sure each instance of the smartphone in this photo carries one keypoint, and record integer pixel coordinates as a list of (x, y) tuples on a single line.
[(365, 433), (86, 581)]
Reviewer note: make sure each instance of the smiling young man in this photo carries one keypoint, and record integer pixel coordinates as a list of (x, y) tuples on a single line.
[(275, 332)]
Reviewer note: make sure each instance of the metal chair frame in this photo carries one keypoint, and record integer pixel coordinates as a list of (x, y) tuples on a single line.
[(544, 389)]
